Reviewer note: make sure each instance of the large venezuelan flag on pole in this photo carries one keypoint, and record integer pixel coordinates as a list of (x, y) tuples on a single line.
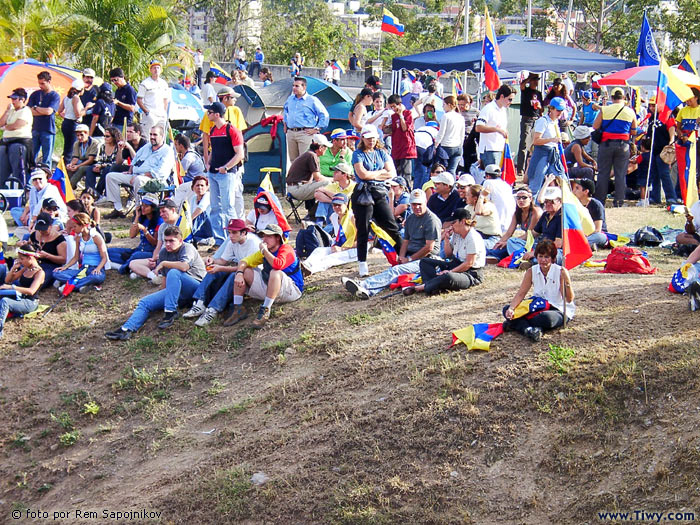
[(575, 244), (390, 24), (492, 56)]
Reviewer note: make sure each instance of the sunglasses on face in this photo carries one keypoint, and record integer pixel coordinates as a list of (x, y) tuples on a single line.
[(522, 197)]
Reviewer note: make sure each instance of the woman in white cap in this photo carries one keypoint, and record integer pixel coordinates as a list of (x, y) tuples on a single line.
[(579, 163), (373, 167), (72, 111)]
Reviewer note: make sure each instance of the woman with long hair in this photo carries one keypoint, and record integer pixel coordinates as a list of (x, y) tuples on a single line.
[(265, 76), (145, 225), (451, 134), (358, 111), (525, 217), (18, 295), (106, 157), (72, 111)]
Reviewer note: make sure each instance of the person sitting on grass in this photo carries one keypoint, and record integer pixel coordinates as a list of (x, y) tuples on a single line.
[(466, 258), (91, 252), (551, 282), (690, 236), (279, 279), (22, 283), (445, 200), (549, 225), (214, 292), (421, 239), (525, 218), (485, 213), (500, 194), (584, 190), (51, 247), (266, 210), (199, 207), (183, 268), (145, 224)]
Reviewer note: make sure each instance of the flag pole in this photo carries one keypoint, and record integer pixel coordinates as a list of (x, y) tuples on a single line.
[(645, 202), (564, 180), (379, 53)]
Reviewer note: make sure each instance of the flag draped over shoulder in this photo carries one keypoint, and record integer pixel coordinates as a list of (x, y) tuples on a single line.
[(646, 47), (507, 165), (386, 243), (687, 64), (492, 56), (62, 182), (575, 244), (346, 231), (477, 336), (268, 191), (390, 24)]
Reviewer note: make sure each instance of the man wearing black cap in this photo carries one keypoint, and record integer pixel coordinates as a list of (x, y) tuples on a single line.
[(224, 165), (584, 189), (124, 98), (16, 144), (374, 83), (234, 116), (103, 111)]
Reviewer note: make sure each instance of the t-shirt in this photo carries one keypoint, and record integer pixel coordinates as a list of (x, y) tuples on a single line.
[(285, 260), (126, 95), (263, 220), (45, 100), (687, 118), (84, 150), (660, 132), (328, 161), (371, 160), (153, 92), (548, 128), (403, 143), (421, 228), (303, 166), (186, 253), (617, 127), (192, 165), (126, 154), (425, 136), (104, 111), (527, 107), (334, 188), (233, 116), (589, 114), (492, 115), (472, 243), (234, 252), (486, 225), (444, 208), (597, 211), (501, 195), (208, 94), (202, 204), (549, 228), (25, 132)]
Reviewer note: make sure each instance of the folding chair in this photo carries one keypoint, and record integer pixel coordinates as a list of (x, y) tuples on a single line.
[(295, 204)]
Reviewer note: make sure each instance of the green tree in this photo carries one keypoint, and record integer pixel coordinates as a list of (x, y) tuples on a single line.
[(229, 26), (31, 29)]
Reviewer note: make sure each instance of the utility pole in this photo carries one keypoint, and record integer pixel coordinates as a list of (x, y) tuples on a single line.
[(466, 21), (529, 18), (565, 36)]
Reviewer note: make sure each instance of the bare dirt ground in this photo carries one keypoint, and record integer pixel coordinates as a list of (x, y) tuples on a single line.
[(358, 411)]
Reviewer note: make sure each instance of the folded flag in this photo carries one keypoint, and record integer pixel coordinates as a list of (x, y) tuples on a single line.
[(390, 24), (184, 222), (387, 244), (507, 165), (530, 307), (346, 232), (617, 240), (680, 281), (477, 336), (62, 182)]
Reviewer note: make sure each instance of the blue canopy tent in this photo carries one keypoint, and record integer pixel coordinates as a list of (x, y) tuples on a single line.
[(517, 53)]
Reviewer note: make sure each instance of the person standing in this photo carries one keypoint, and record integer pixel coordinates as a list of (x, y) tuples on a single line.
[(16, 126), (660, 173), (451, 134), (153, 97), (618, 124), (44, 104), (546, 139), (89, 95), (530, 111), (225, 178), (304, 116), (71, 109), (493, 126), (198, 66), (124, 98), (354, 63), (403, 140)]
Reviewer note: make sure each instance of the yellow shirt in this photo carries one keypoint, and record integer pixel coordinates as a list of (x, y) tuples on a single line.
[(234, 116), (334, 188), (687, 119)]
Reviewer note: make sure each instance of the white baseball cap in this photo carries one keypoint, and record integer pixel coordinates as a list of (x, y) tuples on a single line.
[(321, 139)]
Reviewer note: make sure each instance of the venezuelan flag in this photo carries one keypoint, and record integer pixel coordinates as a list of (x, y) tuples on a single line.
[(2, 255), (73, 281), (456, 87), (184, 222), (387, 244), (266, 185), (507, 165), (531, 306), (337, 65), (688, 65), (390, 24), (575, 245), (492, 56), (678, 282), (687, 170), (410, 75), (346, 231), (220, 72), (62, 182), (517, 256), (617, 240), (478, 336), (671, 92), (440, 73)]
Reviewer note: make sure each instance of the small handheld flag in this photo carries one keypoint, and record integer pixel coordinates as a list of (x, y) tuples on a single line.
[(346, 232), (62, 182), (492, 56), (387, 244), (390, 24), (575, 244), (337, 65), (671, 92), (507, 165)]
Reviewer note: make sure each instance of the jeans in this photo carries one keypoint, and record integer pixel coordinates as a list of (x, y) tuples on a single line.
[(453, 154), (43, 140), (13, 162), (380, 212), (546, 320), (69, 138), (201, 227), (597, 240), (433, 282), (491, 157), (324, 211), (224, 295), (376, 283), (421, 174), (49, 269), (20, 306), (659, 177), (613, 155), (544, 160), (124, 256), (254, 69), (88, 280), (16, 214), (209, 286), (226, 194), (178, 290), (526, 124)]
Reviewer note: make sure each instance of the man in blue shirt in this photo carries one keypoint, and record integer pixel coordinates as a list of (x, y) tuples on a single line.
[(256, 64), (124, 98), (304, 116), (89, 96), (44, 103)]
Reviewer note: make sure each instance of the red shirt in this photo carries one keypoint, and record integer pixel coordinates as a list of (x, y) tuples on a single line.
[(236, 135), (403, 143)]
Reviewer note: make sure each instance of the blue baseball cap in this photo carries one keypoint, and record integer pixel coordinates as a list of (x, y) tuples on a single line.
[(558, 103), (588, 95)]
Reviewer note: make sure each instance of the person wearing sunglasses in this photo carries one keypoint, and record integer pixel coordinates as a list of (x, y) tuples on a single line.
[(525, 217)]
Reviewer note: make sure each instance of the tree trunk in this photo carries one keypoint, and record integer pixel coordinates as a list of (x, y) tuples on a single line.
[(599, 29)]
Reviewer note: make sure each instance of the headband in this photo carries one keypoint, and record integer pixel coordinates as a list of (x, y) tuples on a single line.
[(20, 251)]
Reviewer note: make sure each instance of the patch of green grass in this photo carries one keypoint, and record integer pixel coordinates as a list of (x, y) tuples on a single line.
[(240, 338), (75, 398), (361, 318), (20, 441), (230, 491), (276, 346), (45, 488), (238, 408), (143, 343), (36, 333), (63, 419), (216, 388), (559, 358), (200, 335), (55, 357), (69, 438)]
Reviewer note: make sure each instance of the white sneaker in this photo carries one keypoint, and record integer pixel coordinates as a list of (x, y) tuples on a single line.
[(354, 287), (207, 317), (644, 203), (157, 280), (363, 269), (60, 288), (133, 276), (57, 284), (196, 310)]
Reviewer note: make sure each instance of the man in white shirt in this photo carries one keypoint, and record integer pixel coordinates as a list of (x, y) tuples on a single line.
[(198, 66), (569, 85), (41, 189), (501, 194), (492, 123), (153, 97)]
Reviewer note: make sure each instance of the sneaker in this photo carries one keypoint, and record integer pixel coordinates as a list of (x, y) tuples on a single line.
[(363, 269), (262, 317), (694, 296), (533, 333), (157, 280), (196, 310), (207, 317), (61, 288), (239, 313), (644, 203), (168, 319), (133, 276), (84, 289), (116, 214), (490, 259), (120, 334), (355, 288), (409, 290)]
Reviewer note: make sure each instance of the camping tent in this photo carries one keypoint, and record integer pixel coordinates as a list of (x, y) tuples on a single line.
[(22, 73), (517, 53)]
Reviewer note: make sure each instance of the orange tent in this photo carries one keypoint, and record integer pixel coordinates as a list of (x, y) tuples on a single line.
[(22, 73)]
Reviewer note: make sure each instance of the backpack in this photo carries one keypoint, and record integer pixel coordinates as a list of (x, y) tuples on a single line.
[(245, 144), (311, 238), (647, 236), (625, 259)]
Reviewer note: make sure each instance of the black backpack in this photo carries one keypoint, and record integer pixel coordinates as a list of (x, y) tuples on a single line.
[(311, 238), (647, 236)]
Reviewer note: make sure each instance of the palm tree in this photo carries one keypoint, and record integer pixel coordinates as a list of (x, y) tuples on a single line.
[(30, 28)]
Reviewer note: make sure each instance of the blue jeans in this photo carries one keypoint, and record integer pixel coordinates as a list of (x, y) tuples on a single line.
[(16, 306), (660, 176), (421, 173), (88, 280), (491, 157), (69, 138), (43, 140), (224, 192), (16, 213), (201, 227), (12, 162), (324, 211), (454, 154), (124, 256), (179, 288), (209, 286), (376, 283), (544, 160), (225, 294), (597, 240)]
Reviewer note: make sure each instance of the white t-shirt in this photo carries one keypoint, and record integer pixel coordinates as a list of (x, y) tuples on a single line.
[(234, 252), (328, 74), (25, 132), (203, 204), (492, 115), (425, 136), (501, 195), (208, 94), (548, 128), (198, 59), (569, 85), (486, 224), (451, 134), (153, 92), (695, 212), (472, 243), (264, 219)]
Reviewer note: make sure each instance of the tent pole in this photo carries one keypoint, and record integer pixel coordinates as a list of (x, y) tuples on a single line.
[(645, 201)]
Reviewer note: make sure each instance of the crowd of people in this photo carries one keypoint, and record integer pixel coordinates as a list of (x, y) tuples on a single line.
[(426, 190)]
